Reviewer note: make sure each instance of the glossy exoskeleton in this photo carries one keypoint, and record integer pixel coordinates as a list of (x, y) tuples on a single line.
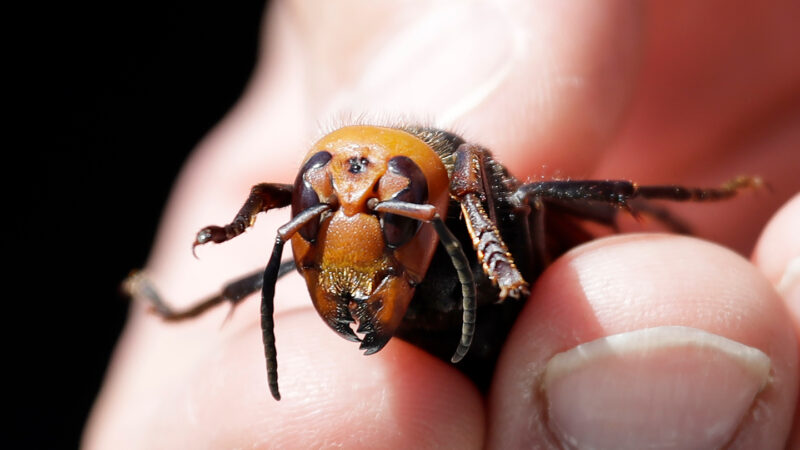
[(369, 205)]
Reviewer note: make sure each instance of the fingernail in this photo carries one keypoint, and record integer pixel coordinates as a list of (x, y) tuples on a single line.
[(664, 387)]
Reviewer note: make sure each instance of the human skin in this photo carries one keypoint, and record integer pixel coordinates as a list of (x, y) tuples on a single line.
[(690, 93)]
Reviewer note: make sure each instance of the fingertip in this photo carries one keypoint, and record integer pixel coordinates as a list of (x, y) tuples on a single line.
[(629, 286), (777, 252)]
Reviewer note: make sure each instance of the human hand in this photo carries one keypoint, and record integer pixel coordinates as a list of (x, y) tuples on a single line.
[(688, 93)]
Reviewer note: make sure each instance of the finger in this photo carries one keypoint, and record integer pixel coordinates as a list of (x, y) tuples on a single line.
[(777, 253), (557, 77), (778, 256), (331, 396), (638, 380)]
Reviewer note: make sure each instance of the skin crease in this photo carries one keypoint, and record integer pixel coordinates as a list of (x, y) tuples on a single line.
[(668, 92)]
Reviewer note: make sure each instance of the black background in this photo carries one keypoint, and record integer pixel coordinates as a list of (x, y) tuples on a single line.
[(112, 96)]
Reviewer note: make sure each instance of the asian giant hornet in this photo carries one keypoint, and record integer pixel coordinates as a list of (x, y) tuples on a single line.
[(368, 207)]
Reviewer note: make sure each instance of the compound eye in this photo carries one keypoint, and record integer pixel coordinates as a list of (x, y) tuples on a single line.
[(397, 230), (304, 195)]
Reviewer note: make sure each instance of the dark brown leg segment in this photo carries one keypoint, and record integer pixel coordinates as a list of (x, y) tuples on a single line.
[(599, 200), (138, 286), (619, 193), (262, 198), (469, 187)]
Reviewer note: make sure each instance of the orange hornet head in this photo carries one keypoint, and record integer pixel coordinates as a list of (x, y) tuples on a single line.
[(359, 265)]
